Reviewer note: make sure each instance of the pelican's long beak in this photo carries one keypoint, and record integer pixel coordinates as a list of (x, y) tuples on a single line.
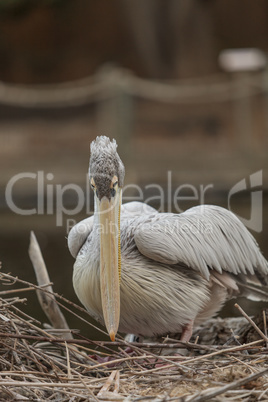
[(110, 260)]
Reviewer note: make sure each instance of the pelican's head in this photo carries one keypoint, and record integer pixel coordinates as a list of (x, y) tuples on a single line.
[(106, 172)]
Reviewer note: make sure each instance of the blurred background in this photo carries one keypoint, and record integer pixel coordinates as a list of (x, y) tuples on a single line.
[(153, 74)]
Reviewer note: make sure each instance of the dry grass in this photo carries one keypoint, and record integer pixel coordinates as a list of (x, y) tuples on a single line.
[(39, 364)]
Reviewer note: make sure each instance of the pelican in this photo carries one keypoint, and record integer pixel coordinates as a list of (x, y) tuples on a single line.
[(150, 274)]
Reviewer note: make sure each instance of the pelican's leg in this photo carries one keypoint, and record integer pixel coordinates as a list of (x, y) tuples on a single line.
[(187, 331)]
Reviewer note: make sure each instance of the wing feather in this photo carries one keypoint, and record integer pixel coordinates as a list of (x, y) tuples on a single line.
[(203, 238)]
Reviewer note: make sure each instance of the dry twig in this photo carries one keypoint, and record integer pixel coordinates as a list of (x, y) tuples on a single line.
[(48, 304), (252, 322)]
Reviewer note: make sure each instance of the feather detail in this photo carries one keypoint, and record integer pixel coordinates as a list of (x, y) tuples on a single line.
[(203, 238)]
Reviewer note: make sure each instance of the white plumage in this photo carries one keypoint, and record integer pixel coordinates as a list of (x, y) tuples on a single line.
[(177, 270)]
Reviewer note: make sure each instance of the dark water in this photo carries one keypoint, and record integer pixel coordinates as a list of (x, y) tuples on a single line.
[(14, 242)]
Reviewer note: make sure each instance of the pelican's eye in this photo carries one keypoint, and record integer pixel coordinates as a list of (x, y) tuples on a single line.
[(92, 183), (114, 185), (112, 191)]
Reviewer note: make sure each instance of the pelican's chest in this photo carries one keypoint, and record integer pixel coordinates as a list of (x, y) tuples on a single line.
[(86, 281)]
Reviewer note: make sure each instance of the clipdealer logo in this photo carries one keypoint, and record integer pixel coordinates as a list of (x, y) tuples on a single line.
[(255, 221), (51, 196)]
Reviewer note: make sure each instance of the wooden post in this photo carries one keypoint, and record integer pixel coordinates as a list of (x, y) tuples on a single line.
[(243, 113), (115, 108)]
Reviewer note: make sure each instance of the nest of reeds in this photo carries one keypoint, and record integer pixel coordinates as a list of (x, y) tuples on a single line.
[(227, 361)]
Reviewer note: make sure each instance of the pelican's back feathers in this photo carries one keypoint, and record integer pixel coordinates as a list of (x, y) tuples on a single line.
[(204, 238)]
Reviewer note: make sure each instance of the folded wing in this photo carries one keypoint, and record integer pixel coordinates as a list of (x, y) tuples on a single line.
[(203, 238)]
